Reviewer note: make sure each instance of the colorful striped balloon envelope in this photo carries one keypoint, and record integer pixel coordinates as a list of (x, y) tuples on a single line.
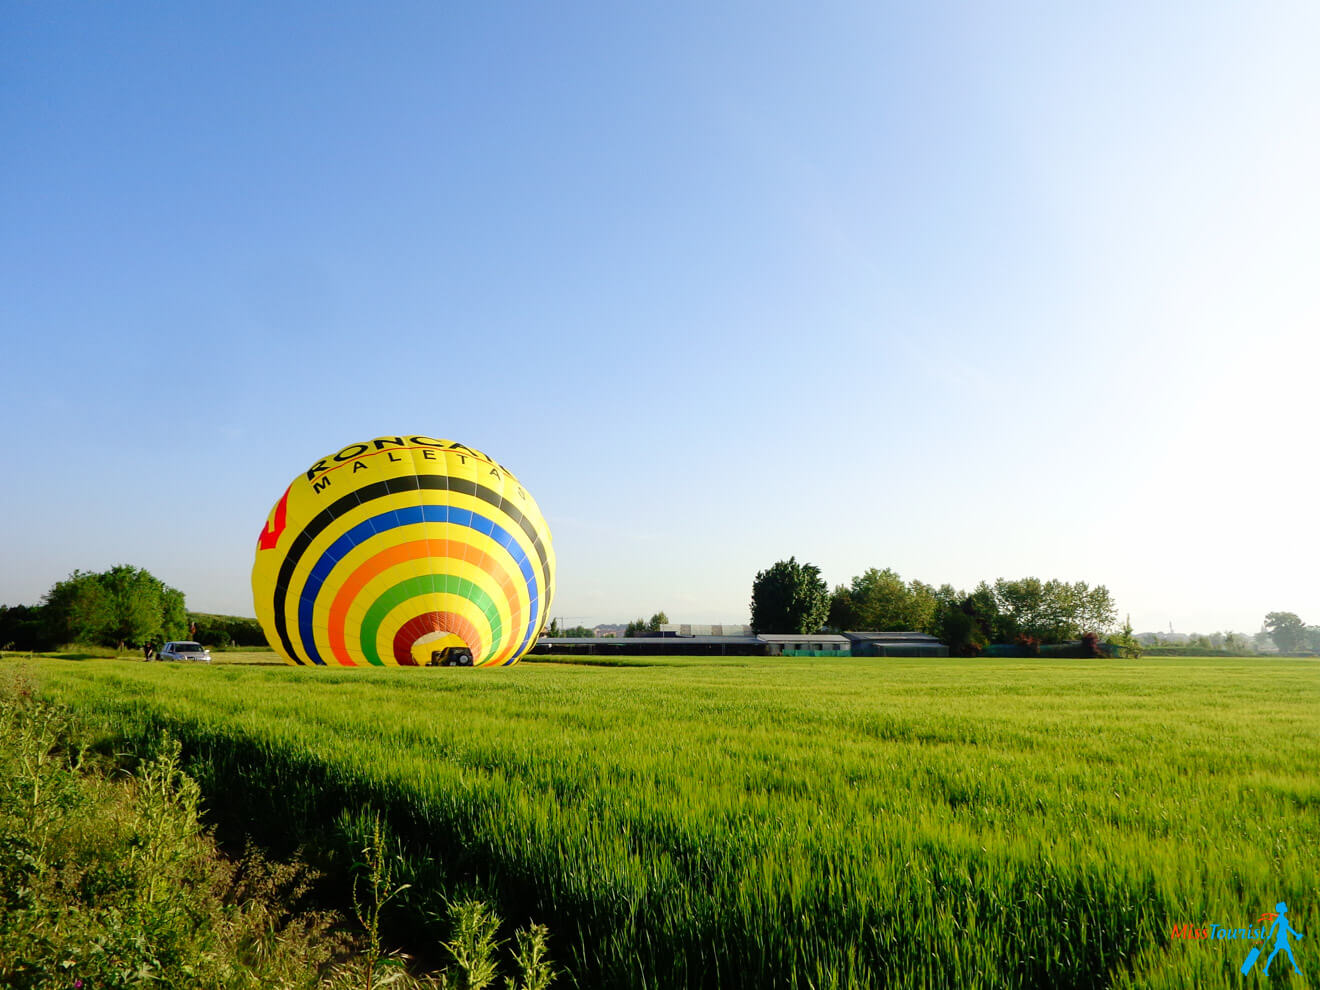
[(398, 550)]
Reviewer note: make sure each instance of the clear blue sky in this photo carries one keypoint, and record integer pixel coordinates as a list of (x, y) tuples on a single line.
[(964, 290)]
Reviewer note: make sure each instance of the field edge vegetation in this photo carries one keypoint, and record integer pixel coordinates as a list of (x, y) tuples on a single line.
[(109, 879)]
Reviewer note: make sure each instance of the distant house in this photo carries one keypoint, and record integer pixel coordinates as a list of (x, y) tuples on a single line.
[(673, 641), (653, 646), (687, 629), (790, 644), (895, 644)]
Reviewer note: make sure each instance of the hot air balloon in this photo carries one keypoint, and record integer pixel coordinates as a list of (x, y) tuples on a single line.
[(404, 550)]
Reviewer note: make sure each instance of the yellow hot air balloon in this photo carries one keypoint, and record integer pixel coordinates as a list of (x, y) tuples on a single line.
[(404, 550)]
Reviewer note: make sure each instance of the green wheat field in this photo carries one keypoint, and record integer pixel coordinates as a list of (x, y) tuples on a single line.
[(760, 822)]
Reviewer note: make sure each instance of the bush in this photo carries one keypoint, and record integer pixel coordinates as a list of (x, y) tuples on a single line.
[(24, 628), (958, 629), (1029, 645)]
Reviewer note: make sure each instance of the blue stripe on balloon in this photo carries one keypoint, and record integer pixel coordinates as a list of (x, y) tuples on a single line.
[(409, 516)]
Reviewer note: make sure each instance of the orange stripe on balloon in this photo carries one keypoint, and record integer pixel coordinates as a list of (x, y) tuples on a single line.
[(402, 553)]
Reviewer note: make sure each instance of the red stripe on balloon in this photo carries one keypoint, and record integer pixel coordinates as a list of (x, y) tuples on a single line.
[(433, 622)]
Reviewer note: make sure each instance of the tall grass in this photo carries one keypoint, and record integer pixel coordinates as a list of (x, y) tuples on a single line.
[(768, 823)]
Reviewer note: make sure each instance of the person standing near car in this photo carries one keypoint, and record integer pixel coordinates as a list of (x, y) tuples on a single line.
[(146, 650)]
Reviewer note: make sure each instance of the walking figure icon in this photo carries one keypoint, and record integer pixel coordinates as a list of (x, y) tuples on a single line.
[(1280, 925)]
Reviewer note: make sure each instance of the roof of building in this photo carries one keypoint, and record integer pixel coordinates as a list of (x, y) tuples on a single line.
[(892, 637), (710, 629), (802, 638), (650, 640)]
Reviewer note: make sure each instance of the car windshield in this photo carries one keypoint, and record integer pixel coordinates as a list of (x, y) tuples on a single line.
[(187, 647)]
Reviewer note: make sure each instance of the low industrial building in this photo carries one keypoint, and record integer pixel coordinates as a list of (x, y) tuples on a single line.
[(688, 629), (795, 644), (895, 644), (671, 645), (669, 640)]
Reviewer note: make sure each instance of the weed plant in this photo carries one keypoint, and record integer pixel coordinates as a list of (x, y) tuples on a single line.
[(107, 880)]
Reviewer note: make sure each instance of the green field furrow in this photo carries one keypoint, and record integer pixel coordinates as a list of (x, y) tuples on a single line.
[(808, 823)]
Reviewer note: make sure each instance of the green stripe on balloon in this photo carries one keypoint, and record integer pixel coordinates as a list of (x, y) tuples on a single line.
[(425, 585)]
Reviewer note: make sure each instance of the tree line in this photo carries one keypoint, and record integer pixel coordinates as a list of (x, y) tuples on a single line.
[(1290, 634), (119, 607), (792, 597), (1284, 632), (638, 627), (128, 605)]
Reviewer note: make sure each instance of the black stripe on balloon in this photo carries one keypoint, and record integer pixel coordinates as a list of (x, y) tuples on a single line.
[(380, 489)]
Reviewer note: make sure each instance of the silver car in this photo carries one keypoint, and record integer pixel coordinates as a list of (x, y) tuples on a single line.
[(184, 651)]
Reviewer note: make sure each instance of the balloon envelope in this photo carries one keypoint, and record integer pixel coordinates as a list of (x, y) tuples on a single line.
[(393, 548)]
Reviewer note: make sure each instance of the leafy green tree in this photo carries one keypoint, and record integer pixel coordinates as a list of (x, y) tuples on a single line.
[(983, 606), (957, 627), (1128, 644), (24, 627), (1287, 630), (174, 614), (1312, 639), (842, 612), (644, 627), (789, 598), (1096, 610), (1022, 604), (77, 609), (880, 601), (137, 608), (1027, 611), (1051, 611), (217, 630), (952, 625), (122, 605), (922, 604), (1236, 643)]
